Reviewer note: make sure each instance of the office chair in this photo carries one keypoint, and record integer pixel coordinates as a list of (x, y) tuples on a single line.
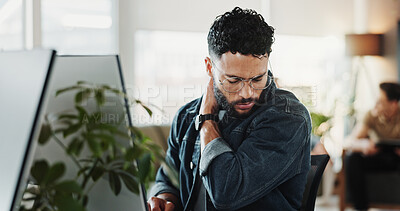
[(318, 164)]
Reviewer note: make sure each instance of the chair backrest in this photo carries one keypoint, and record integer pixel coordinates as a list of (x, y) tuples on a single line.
[(318, 164)]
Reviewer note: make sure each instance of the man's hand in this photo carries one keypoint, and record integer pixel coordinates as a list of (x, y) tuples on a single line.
[(162, 202), (209, 104), (209, 130), (370, 149), (364, 146), (397, 151)]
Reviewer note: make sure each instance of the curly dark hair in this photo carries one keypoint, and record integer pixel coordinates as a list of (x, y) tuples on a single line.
[(392, 90), (240, 30)]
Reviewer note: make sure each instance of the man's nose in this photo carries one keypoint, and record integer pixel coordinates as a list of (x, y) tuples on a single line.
[(246, 91)]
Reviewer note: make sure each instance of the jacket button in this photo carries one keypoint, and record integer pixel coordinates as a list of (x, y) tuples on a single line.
[(191, 165)]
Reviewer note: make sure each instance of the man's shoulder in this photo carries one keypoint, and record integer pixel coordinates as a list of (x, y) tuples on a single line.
[(283, 109), (190, 107), (371, 118), (285, 113), (287, 103), (188, 110)]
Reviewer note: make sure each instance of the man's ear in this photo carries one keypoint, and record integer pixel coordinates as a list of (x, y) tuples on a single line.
[(208, 64)]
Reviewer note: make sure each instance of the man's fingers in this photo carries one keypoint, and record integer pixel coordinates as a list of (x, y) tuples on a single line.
[(211, 86), (159, 204), (210, 82), (155, 204), (169, 206)]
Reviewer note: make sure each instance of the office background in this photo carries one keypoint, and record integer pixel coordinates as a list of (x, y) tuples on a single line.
[(162, 46)]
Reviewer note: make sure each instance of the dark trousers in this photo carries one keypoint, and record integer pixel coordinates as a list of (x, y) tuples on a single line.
[(357, 165)]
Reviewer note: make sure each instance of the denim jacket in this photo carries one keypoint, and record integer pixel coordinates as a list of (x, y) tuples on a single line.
[(258, 163)]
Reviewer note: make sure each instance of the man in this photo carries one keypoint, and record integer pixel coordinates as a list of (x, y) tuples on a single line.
[(381, 123), (245, 144)]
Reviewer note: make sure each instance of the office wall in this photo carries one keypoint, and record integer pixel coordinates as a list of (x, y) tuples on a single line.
[(306, 17), (383, 17), (172, 15), (312, 17), (184, 15)]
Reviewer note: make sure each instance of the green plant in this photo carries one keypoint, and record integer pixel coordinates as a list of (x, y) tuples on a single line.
[(320, 123), (113, 150)]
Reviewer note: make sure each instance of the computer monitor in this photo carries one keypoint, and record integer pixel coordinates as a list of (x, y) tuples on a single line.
[(24, 76), (67, 71)]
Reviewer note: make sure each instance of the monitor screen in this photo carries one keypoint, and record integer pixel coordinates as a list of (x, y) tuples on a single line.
[(23, 81)]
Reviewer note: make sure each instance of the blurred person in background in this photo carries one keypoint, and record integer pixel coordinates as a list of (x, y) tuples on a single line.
[(380, 123)]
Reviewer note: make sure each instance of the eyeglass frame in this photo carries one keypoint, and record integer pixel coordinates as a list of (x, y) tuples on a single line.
[(243, 80)]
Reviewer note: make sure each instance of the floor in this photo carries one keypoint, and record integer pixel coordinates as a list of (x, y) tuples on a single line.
[(332, 204)]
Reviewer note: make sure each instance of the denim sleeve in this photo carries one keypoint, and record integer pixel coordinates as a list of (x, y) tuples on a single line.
[(166, 178), (211, 151), (270, 155)]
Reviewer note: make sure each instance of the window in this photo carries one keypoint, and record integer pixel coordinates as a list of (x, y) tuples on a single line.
[(311, 67), (80, 26), (169, 72), (11, 29)]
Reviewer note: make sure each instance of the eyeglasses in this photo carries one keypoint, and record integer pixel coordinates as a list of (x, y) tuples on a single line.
[(235, 84)]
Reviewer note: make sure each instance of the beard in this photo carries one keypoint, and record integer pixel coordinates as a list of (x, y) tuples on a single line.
[(230, 106)]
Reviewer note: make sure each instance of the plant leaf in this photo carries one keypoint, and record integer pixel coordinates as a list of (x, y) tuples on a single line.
[(132, 170), (123, 134), (65, 122), (95, 147), (39, 170), (58, 92), (104, 137), (82, 82), (107, 87), (67, 203), (82, 95), (117, 91), (104, 140), (56, 171), (82, 113), (148, 110), (45, 134), (130, 154), (115, 164), (113, 129), (155, 148), (144, 167), (75, 147), (67, 116), (82, 170), (69, 186), (97, 173), (85, 200), (130, 182), (115, 182), (100, 98), (138, 134), (72, 129), (145, 107), (79, 148)]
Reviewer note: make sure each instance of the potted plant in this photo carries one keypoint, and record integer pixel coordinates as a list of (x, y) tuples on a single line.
[(131, 161), (320, 123)]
